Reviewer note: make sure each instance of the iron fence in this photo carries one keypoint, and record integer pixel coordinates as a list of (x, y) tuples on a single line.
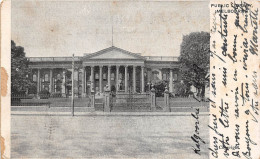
[(48, 100)]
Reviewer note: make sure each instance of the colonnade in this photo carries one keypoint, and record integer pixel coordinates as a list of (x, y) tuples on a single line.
[(126, 84), (101, 86)]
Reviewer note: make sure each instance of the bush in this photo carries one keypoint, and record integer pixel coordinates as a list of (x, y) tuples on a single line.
[(181, 90), (160, 88), (56, 95), (44, 94)]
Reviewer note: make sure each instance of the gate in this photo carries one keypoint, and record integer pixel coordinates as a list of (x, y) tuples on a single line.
[(131, 102)]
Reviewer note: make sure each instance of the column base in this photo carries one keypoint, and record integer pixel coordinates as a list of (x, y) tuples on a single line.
[(63, 95)]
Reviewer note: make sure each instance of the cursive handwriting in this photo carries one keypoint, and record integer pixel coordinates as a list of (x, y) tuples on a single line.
[(196, 136)]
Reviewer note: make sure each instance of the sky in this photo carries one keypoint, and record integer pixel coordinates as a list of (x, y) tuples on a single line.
[(62, 28)]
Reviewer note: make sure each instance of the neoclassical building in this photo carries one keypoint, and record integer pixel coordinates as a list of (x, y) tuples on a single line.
[(121, 70)]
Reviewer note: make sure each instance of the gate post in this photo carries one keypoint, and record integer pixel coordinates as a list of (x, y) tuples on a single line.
[(107, 99), (92, 99), (153, 108), (166, 107)]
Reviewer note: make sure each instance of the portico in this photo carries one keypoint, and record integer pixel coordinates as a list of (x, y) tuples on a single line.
[(121, 70)]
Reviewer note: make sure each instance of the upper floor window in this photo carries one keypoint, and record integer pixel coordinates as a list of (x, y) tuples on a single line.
[(112, 76), (104, 76), (46, 77), (164, 76), (58, 76), (34, 78), (97, 76)]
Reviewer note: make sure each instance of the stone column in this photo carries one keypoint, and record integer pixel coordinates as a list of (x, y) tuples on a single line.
[(134, 79), (109, 77), (153, 99), (166, 107), (83, 82), (92, 79), (171, 83), (63, 91), (126, 78), (38, 81), (76, 82), (100, 79), (107, 99), (51, 82), (117, 78), (142, 75)]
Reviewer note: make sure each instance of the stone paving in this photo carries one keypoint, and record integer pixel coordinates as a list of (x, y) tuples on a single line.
[(104, 136)]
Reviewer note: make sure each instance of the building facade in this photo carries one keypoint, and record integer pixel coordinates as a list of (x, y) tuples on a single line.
[(121, 70)]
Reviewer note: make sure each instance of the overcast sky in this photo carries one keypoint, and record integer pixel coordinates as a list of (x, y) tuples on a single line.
[(61, 28)]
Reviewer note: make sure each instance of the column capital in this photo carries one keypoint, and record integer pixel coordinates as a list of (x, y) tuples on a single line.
[(126, 66), (142, 67), (109, 66), (100, 66), (92, 66), (117, 66)]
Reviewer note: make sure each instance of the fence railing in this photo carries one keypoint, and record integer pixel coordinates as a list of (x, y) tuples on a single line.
[(48, 100)]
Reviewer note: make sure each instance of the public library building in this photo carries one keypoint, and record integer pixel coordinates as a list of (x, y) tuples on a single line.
[(121, 70)]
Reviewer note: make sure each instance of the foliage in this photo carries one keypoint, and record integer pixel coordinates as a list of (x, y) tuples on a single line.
[(182, 89), (194, 59), (20, 72), (44, 94), (160, 88), (55, 94)]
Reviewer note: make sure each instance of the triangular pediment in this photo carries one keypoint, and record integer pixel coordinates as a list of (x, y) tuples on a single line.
[(113, 53)]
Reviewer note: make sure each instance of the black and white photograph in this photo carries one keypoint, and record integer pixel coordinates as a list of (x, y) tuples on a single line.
[(130, 79), (109, 79)]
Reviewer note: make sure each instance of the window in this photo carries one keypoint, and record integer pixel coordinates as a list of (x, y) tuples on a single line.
[(58, 77), (34, 78), (80, 76), (112, 76), (104, 76), (164, 76), (96, 76), (175, 77), (46, 77)]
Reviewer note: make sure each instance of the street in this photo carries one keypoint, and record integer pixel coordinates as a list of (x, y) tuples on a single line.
[(115, 136)]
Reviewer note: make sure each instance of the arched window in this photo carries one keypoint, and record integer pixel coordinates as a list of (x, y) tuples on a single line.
[(46, 77), (58, 77), (34, 78)]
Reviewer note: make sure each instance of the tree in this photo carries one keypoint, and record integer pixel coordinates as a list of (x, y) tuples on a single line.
[(182, 89), (20, 72), (194, 59)]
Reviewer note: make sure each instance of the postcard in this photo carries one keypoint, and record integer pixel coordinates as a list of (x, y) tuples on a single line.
[(130, 79)]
